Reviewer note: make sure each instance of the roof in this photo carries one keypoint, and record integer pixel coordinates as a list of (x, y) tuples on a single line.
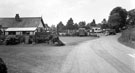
[(22, 29), (24, 22)]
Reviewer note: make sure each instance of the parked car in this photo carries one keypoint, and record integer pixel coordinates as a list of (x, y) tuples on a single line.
[(110, 32)]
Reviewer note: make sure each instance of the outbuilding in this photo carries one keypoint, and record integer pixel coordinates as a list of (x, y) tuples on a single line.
[(22, 25)]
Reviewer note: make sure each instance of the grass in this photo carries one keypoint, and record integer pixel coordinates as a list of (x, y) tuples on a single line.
[(128, 37), (75, 40), (129, 44), (39, 58)]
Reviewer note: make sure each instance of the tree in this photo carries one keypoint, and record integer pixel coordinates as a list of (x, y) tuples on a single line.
[(104, 24), (76, 26), (82, 24), (117, 18), (93, 23), (60, 27), (104, 21), (53, 28), (70, 24), (88, 26)]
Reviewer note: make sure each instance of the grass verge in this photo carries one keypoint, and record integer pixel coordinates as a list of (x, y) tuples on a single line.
[(128, 37)]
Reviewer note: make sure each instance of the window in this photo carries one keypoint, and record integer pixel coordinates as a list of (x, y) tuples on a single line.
[(12, 33), (25, 32)]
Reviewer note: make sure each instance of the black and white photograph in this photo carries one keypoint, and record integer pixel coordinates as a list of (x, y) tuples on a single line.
[(67, 36)]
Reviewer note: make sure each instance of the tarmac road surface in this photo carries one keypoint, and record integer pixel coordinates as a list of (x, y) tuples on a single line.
[(103, 55)]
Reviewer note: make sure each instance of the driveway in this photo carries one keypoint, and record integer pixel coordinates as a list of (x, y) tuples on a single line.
[(103, 55)]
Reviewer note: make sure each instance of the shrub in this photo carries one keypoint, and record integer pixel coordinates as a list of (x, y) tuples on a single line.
[(3, 67)]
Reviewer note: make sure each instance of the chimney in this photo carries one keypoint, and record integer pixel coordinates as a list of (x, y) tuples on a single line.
[(17, 17)]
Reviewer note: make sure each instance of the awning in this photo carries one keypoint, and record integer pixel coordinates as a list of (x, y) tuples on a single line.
[(22, 29)]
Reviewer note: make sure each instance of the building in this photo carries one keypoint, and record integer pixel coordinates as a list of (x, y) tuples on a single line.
[(96, 30), (22, 25)]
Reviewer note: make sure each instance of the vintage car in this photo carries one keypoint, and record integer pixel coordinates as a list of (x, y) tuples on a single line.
[(110, 32)]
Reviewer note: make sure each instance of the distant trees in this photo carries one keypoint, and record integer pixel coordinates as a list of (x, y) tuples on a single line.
[(104, 21), (53, 28), (82, 24), (60, 26), (104, 24), (70, 24), (93, 23), (76, 26), (117, 18), (88, 26)]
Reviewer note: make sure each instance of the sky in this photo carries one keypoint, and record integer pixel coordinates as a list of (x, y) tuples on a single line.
[(54, 11)]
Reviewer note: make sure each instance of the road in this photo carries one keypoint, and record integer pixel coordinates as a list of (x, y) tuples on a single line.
[(103, 55)]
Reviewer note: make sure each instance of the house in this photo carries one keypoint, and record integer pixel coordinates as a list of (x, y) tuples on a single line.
[(22, 25), (96, 30)]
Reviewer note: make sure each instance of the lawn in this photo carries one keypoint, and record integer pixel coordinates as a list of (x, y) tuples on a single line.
[(38, 58)]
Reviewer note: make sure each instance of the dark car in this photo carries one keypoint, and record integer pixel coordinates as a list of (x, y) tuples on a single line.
[(112, 32)]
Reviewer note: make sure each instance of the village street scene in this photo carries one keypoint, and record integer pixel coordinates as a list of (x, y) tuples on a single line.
[(61, 36)]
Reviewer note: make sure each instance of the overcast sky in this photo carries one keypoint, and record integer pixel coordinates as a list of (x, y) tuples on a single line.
[(54, 11)]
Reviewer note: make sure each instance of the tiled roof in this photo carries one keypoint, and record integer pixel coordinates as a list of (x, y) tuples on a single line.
[(24, 22)]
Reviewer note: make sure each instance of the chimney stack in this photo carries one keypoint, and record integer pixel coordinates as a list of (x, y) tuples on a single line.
[(17, 17)]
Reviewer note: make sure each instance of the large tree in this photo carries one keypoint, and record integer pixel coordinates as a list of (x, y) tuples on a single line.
[(70, 24), (117, 18)]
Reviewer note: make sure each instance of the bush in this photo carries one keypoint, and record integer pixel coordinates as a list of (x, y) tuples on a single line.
[(32, 39), (3, 67), (11, 40)]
